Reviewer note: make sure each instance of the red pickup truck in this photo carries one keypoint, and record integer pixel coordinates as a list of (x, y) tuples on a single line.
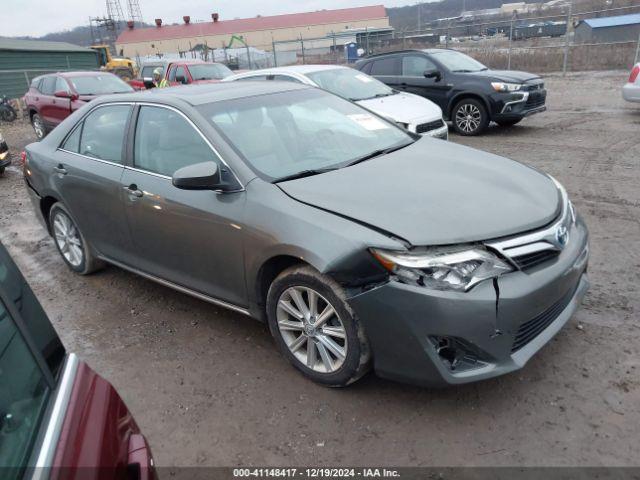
[(181, 72)]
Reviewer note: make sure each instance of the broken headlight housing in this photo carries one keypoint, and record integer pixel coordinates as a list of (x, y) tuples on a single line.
[(443, 268)]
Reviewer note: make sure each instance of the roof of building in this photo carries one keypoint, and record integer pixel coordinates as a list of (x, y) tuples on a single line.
[(230, 27), (38, 45), (616, 21)]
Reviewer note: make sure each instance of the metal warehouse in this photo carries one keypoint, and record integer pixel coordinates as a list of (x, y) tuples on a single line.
[(258, 32), (22, 60), (621, 28)]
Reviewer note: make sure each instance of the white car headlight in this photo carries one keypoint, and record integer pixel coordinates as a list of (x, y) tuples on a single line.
[(443, 268), (506, 87)]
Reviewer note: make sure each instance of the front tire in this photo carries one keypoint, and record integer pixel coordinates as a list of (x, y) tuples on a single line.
[(38, 126), (470, 117), (70, 242), (315, 328)]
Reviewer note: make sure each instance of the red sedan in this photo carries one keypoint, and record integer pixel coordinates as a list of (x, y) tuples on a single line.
[(58, 418)]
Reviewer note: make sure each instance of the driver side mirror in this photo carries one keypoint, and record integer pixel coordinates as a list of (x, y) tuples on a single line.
[(181, 79), (148, 82), (435, 74), (201, 176)]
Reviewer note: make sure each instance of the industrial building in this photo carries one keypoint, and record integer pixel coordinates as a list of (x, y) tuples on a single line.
[(621, 28), (259, 32), (22, 60)]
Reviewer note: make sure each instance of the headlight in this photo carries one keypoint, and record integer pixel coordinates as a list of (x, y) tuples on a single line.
[(506, 87), (443, 268)]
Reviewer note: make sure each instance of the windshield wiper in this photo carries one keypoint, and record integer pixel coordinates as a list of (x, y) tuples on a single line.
[(303, 174), (377, 95), (462, 71), (377, 153)]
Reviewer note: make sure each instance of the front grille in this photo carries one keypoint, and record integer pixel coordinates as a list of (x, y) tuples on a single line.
[(535, 100), (427, 127), (530, 260), (534, 327)]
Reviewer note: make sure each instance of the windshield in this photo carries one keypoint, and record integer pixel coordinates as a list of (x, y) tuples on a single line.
[(350, 84), (458, 62), (99, 85), (212, 71), (288, 133)]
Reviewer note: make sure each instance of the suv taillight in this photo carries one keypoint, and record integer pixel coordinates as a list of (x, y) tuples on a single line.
[(634, 74)]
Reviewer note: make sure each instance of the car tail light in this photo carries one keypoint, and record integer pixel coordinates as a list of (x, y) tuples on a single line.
[(634, 74), (23, 156)]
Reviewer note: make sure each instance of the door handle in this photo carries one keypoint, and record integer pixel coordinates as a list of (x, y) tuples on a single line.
[(60, 169), (134, 191)]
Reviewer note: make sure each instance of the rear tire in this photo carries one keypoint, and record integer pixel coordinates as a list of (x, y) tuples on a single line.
[(8, 114), (38, 126), (508, 123), (315, 328), (71, 244), (470, 117), (2, 171)]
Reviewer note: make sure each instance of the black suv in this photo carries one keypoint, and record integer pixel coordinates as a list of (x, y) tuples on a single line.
[(469, 94)]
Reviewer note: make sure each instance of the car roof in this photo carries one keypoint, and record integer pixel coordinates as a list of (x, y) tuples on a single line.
[(207, 93), (423, 50), (301, 69), (83, 74)]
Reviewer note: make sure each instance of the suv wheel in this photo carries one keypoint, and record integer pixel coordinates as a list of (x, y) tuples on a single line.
[(470, 117), (70, 242), (315, 328), (38, 126)]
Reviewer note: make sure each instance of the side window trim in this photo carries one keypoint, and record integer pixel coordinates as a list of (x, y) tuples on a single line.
[(80, 124), (130, 164)]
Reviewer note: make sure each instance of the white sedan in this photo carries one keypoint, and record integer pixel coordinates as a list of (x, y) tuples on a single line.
[(631, 91), (415, 113)]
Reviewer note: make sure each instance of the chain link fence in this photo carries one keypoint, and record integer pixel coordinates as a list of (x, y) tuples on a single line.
[(540, 43)]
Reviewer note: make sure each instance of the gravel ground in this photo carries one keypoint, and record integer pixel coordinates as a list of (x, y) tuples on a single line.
[(208, 388)]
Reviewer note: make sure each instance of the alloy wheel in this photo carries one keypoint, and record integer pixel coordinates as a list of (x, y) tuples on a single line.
[(38, 126), (68, 239), (312, 329), (468, 118)]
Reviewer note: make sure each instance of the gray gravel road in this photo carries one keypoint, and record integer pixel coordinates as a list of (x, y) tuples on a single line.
[(208, 388)]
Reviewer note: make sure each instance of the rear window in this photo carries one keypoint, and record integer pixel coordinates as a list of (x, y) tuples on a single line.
[(99, 84)]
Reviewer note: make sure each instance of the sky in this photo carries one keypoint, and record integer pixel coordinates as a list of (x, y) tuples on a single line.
[(39, 17)]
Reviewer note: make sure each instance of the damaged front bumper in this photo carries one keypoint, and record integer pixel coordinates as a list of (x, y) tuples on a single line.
[(434, 338)]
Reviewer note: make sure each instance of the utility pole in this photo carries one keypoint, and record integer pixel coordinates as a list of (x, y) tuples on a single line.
[(565, 60)]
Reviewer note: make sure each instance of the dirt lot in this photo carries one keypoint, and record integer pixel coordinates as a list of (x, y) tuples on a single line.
[(208, 387)]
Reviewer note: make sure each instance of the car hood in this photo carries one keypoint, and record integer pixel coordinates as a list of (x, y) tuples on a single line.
[(513, 76), (404, 107), (435, 193)]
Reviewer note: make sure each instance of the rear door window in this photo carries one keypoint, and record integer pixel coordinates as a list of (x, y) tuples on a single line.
[(104, 131), (48, 85), (385, 66)]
